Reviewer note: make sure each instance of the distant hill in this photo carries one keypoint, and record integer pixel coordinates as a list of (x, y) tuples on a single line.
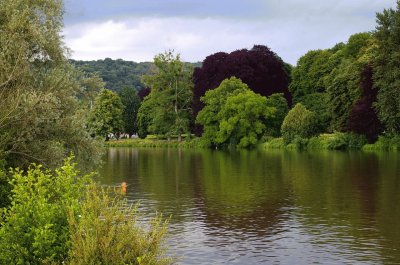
[(118, 74)]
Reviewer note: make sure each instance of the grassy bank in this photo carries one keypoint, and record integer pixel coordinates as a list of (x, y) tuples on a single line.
[(153, 142), (336, 141)]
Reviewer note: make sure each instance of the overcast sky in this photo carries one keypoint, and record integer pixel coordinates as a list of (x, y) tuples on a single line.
[(136, 30)]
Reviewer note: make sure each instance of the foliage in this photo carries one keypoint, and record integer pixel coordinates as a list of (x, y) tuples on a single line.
[(144, 116), (260, 68), (309, 75), (131, 101), (387, 69), (363, 118), (42, 118), (119, 74), (34, 229), (107, 231), (234, 115), (158, 143), (107, 114), (171, 92), (343, 91), (62, 217), (278, 102), (319, 104), (337, 141), (243, 119), (298, 123), (389, 142)]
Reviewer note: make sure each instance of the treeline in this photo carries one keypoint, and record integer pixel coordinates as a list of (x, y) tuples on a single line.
[(351, 89), (118, 74)]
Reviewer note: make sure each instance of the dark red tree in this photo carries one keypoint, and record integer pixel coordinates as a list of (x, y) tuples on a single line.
[(143, 93), (363, 118), (260, 68)]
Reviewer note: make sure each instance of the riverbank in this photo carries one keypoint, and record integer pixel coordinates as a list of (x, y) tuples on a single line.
[(193, 143), (334, 141)]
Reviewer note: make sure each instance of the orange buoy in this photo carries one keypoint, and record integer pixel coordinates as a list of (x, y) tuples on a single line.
[(123, 187)]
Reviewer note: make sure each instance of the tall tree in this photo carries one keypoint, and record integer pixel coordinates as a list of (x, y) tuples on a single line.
[(40, 110), (234, 115), (131, 101), (259, 68), (107, 114), (387, 68), (171, 88)]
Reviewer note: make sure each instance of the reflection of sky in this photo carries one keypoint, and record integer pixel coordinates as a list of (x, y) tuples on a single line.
[(138, 29)]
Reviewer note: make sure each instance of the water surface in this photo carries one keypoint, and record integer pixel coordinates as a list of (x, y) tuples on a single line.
[(268, 207)]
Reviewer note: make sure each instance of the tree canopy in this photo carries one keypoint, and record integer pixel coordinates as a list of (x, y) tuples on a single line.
[(387, 69), (170, 96), (42, 115), (107, 114), (261, 69), (234, 115)]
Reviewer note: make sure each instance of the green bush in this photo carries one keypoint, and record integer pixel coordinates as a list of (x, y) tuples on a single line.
[(34, 229), (385, 143), (107, 231), (298, 123), (62, 217)]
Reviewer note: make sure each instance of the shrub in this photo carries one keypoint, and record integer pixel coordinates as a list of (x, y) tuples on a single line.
[(34, 229), (299, 122), (385, 143), (62, 217), (107, 232)]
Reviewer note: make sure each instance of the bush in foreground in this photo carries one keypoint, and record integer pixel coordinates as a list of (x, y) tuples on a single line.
[(55, 216)]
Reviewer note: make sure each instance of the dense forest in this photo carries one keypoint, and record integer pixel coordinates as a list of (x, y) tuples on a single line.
[(118, 74)]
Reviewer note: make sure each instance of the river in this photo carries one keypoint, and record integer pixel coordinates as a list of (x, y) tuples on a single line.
[(267, 207)]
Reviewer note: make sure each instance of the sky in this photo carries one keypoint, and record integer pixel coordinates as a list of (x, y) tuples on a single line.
[(137, 30)]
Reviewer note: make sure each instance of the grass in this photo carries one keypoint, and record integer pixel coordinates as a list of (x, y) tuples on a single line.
[(155, 142)]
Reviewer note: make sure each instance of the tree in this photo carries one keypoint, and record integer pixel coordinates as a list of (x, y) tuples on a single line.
[(299, 122), (278, 102), (171, 90), (387, 69), (41, 115), (309, 75), (363, 118), (319, 104), (234, 115), (261, 69), (107, 114), (131, 101)]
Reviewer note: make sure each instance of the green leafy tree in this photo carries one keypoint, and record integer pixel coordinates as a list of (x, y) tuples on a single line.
[(320, 105), (107, 114), (131, 101), (144, 116), (214, 100), (41, 115), (298, 123), (278, 102), (309, 75), (171, 90), (234, 115), (387, 69), (243, 119)]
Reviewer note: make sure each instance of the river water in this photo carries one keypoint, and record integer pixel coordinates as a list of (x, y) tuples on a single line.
[(267, 207)]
